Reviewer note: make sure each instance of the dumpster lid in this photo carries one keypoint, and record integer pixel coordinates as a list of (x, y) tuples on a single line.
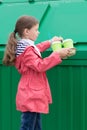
[(66, 19), (15, 1), (9, 13)]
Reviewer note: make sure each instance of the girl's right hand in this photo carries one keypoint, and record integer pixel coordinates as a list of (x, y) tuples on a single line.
[(64, 52), (56, 38)]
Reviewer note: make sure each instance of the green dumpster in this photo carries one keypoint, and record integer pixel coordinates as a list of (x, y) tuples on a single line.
[(10, 12), (68, 81)]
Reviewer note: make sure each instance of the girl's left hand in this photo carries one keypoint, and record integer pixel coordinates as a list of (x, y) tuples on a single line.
[(56, 38)]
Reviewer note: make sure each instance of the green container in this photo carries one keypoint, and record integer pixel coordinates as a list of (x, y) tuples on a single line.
[(68, 85), (57, 45), (68, 43), (9, 117), (68, 81)]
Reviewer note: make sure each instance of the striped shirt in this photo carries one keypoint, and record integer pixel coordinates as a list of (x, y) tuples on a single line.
[(22, 44)]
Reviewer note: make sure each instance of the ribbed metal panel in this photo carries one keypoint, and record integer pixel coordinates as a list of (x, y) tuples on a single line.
[(69, 90), (9, 117)]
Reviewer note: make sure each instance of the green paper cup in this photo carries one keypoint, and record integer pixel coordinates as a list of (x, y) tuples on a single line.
[(56, 45), (68, 43)]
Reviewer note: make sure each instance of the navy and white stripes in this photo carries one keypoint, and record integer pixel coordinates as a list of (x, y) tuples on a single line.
[(20, 48), (22, 44)]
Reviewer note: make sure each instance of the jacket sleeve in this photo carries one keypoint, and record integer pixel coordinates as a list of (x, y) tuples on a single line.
[(35, 62), (43, 46)]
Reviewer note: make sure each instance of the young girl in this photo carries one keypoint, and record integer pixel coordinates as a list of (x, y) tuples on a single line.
[(33, 95)]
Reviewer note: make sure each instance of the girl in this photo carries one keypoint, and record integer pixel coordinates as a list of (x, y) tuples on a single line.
[(33, 95)]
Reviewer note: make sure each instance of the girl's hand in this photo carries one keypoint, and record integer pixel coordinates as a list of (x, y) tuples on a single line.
[(64, 52), (56, 38)]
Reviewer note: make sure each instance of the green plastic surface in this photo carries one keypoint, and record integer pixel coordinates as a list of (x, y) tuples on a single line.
[(9, 13), (14, 1), (66, 19)]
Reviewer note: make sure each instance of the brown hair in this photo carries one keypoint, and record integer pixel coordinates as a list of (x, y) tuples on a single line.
[(22, 23)]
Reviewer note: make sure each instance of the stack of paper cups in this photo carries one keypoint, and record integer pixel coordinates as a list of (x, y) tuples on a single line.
[(68, 43), (56, 45)]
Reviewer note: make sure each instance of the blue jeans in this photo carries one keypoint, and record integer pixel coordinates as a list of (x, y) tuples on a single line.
[(31, 121)]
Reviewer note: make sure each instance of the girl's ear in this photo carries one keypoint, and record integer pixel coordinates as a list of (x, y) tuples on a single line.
[(26, 31)]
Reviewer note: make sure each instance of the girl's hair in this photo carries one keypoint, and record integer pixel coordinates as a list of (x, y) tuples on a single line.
[(10, 51)]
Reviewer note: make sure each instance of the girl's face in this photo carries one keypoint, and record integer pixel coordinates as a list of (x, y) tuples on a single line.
[(32, 33)]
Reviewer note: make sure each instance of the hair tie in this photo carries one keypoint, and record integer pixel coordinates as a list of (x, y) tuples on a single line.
[(15, 31)]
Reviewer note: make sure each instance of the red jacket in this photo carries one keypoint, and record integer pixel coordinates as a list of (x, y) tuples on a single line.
[(33, 90)]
